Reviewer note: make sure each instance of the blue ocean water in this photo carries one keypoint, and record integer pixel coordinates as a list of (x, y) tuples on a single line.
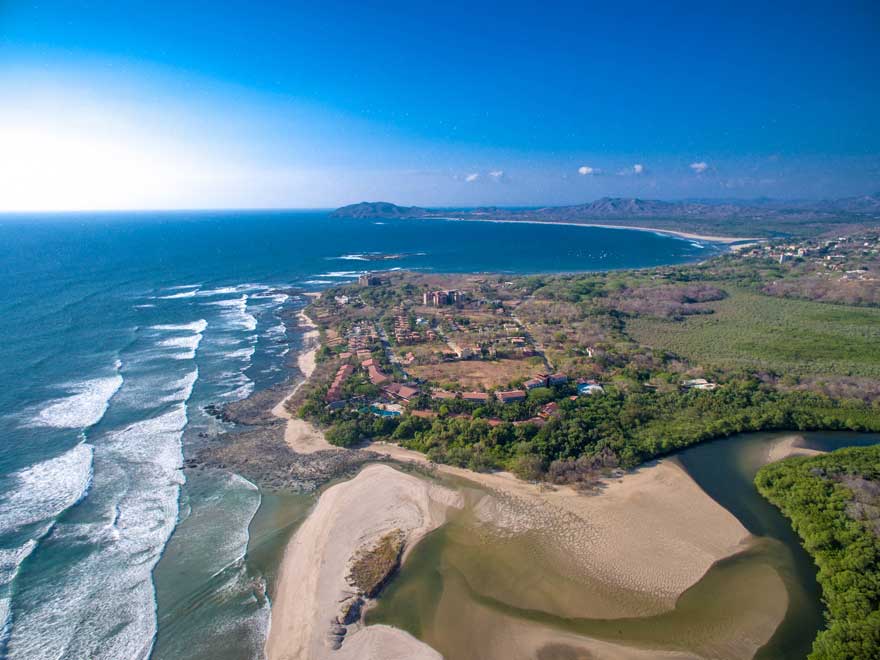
[(115, 331)]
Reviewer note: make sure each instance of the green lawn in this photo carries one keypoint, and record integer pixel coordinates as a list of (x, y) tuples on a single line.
[(788, 336)]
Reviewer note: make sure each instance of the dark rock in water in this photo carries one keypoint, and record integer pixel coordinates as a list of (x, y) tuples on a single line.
[(262, 456), (255, 410), (351, 610), (287, 290), (214, 410)]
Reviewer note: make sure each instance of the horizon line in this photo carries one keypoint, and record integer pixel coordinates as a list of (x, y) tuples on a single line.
[(245, 209)]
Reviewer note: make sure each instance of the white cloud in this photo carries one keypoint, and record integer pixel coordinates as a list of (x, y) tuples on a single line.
[(497, 175), (586, 170), (699, 167), (638, 168), (470, 178)]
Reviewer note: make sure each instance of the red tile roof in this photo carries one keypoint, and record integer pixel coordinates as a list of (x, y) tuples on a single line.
[(376, 376)]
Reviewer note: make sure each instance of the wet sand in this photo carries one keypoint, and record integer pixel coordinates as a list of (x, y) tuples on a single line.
[(312, 582), (653, 532), (788, 446)]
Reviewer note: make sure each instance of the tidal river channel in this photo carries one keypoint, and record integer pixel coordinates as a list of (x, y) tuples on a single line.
[(461, 582)]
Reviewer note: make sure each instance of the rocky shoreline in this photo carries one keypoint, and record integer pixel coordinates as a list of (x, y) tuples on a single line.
[(256, 448), (262, 456)]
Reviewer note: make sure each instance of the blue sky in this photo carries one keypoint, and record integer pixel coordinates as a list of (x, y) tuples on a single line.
[(236, 104)]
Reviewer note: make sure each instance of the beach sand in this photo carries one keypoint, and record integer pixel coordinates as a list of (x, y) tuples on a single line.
[(669, 232), (312, 580), (653, 532), (300, 436), (788, 446)]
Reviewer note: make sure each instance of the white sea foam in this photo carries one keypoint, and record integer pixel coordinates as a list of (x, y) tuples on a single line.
[(240, 393), (277, 298), (229, 302), (181, 294), (240, 385), (44, 490), (352, 257), (107, 596), (182, 286), (196, 327), (277, 330), (235, 310), (242, 353), (317, 282), (249, 322), (84, 407), (4, 617), (181, 389), (10, 561), (38, 494), (189, 342), (343, 274), (224, 290)]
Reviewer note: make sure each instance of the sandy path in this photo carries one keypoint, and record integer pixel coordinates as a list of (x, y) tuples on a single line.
[(654, 531), (311, 582), (301, 436)]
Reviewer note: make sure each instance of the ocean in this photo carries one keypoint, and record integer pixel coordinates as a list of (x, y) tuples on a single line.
[(116, 331)]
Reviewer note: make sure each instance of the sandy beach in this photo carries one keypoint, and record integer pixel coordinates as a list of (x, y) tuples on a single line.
[(313, 583), (653, 531), (302, 437), (669, 232)]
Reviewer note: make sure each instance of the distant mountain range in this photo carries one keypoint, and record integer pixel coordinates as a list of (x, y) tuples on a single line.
[(764, 217)]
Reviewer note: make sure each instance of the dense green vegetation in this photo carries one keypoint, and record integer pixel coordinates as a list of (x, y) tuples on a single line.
[(616, 428), (749, 330), (832, 502), (778, 363)]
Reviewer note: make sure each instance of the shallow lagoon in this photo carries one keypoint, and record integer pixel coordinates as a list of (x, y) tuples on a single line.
[(467, 594)]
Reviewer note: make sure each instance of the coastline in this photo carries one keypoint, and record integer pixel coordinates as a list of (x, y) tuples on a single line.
[(301, 436), (725, 240)]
